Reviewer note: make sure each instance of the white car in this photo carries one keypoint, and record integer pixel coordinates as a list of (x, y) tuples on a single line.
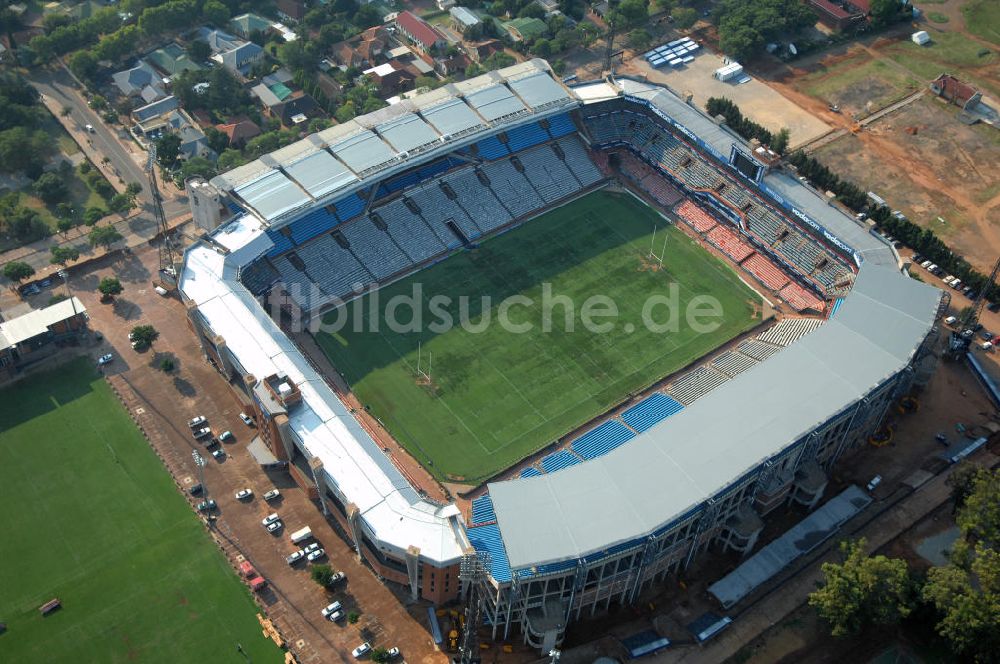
[(295, 557), (392, 653), (337, 576), (269, 519), (246, 419), (196, 422), (316, 555), (275, 527), (361, 650), (336, 616), (226, 436), (330, 608), (312, 547), (89, 128), (272, 494), (201, 433), (243, 494), (105, 359)]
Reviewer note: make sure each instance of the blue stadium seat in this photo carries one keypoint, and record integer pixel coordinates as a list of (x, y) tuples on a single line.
[(482, 510), (281, 243), (234, 208), (492, 148), (645, 414), (488, 539), (526, 136), (559, 460), (531, 471), (602, 440), (561, 125), (316, 222), (349, 207)]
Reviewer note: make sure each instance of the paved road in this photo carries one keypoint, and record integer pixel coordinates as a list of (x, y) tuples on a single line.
[(60, 91)]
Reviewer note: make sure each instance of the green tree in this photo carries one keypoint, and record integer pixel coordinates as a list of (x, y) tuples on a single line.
[(346, 112), (321, 574), (629, 14), (541, 47), (143, 336), (353, 617), (230, 159), (104, 236), (962, 481), (83, 64), (967, 597), (885, 12), (863, 590), (979, 518), (780, 142), (215, 13), (63, 255), (685, 18), (665, 6), (122, 203), (92, 215), (196, 166), (168, 150), (18, 271), (640, 39), (381, 655), (51, 188), (199, 50), (217, 140), (109, 287)]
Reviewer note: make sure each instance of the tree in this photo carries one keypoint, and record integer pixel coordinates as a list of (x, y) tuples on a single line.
[(64, 224), (967, 598), (321, 574), (104, 236), (92, 215), (629, 14), (195, 166), (345, 112), (143, 336), (168, 150), (50, 188), (63, 255), (109, 287), (665, 6), (83, 64), (199, 50), (541, 47), (18, 271), (215, 13), (640, 39), (353, 617), (962, 481), (167, 365), (685, 18), (979, 518), (381, 655), (884, 12), (863, 590), (217, 140), (122, 203), (780, 142), (230, 159)]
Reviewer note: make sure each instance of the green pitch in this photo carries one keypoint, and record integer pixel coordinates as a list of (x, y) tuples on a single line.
[(495, 396), (90, 516)]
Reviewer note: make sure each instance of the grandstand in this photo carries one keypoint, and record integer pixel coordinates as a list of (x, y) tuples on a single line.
[(637, 498)]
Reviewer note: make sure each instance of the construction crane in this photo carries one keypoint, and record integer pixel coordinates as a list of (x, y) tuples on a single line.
[(167, 273), (961, 338)]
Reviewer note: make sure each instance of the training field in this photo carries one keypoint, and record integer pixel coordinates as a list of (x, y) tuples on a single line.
[(495, 395), (91, 516)]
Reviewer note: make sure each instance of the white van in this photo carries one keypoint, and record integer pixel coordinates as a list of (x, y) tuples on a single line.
[(947, 280), (302, 535), (925, 264), (987, 346), (950, 320), (956, 284)]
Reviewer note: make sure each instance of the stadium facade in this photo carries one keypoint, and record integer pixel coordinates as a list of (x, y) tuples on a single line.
[(366, 202)]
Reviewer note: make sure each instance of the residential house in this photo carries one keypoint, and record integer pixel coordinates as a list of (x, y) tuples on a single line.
[(362, 50), (271, 95), (482, 50), (246, 25), (239, 131), (463, 19), (452, 64), (550, 6), (445, 5), (391, 80), (154, 110), (297, 110), (957, 92), (329, 86), (177, 121), (419, 32), (233, 53), (291, 10), (525, 29), (172, 60), (38, 334), (140, 81), (836, 15)]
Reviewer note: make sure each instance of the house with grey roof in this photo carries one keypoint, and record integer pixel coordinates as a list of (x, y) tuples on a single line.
[(140, 81), (233, 53)]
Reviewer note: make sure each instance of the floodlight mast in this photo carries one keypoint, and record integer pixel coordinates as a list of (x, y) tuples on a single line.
[(472, 571), (166, 253)]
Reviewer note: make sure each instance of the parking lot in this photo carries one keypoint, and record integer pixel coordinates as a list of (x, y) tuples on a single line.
[(164, 403)]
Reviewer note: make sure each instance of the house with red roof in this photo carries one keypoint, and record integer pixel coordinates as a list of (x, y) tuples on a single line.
[(957, 92), (837, 15), (419, 32)]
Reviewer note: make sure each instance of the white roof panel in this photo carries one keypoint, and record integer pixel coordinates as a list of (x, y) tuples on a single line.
[(320, 174), (272, 195), (495, 102), (407, 133), (362, 151), (539, 90), (452, 117)]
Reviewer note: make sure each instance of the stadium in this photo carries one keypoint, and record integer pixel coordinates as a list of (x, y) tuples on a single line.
[(515, 175)]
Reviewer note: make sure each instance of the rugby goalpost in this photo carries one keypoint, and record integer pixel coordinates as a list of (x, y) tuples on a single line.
[(663, 250), (424, 376)]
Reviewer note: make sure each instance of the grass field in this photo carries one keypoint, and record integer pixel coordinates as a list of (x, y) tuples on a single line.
[(982, 17), (91, 516), (496, 396)]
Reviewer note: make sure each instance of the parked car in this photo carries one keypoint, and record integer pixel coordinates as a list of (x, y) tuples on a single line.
[(196, 489), (330, 608), (336, 616), (211, 442), (243, 494), (337, 576), (295, 556), (270, 518), (275, 527), (950, 320), (315, 555), (247, 420), (392, 652), (206, 505), (986, 335), (105, 359), (201, 433), (196, 422), (161, 291), (219, 454), (361, 650), (89, 128), (875, 481), (312, 547), (226, 436), (272, 494)]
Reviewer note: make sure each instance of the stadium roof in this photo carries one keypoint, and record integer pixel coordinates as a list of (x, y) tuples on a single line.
[(374, 146), (695, 454), (38, 321), (392, 512)]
